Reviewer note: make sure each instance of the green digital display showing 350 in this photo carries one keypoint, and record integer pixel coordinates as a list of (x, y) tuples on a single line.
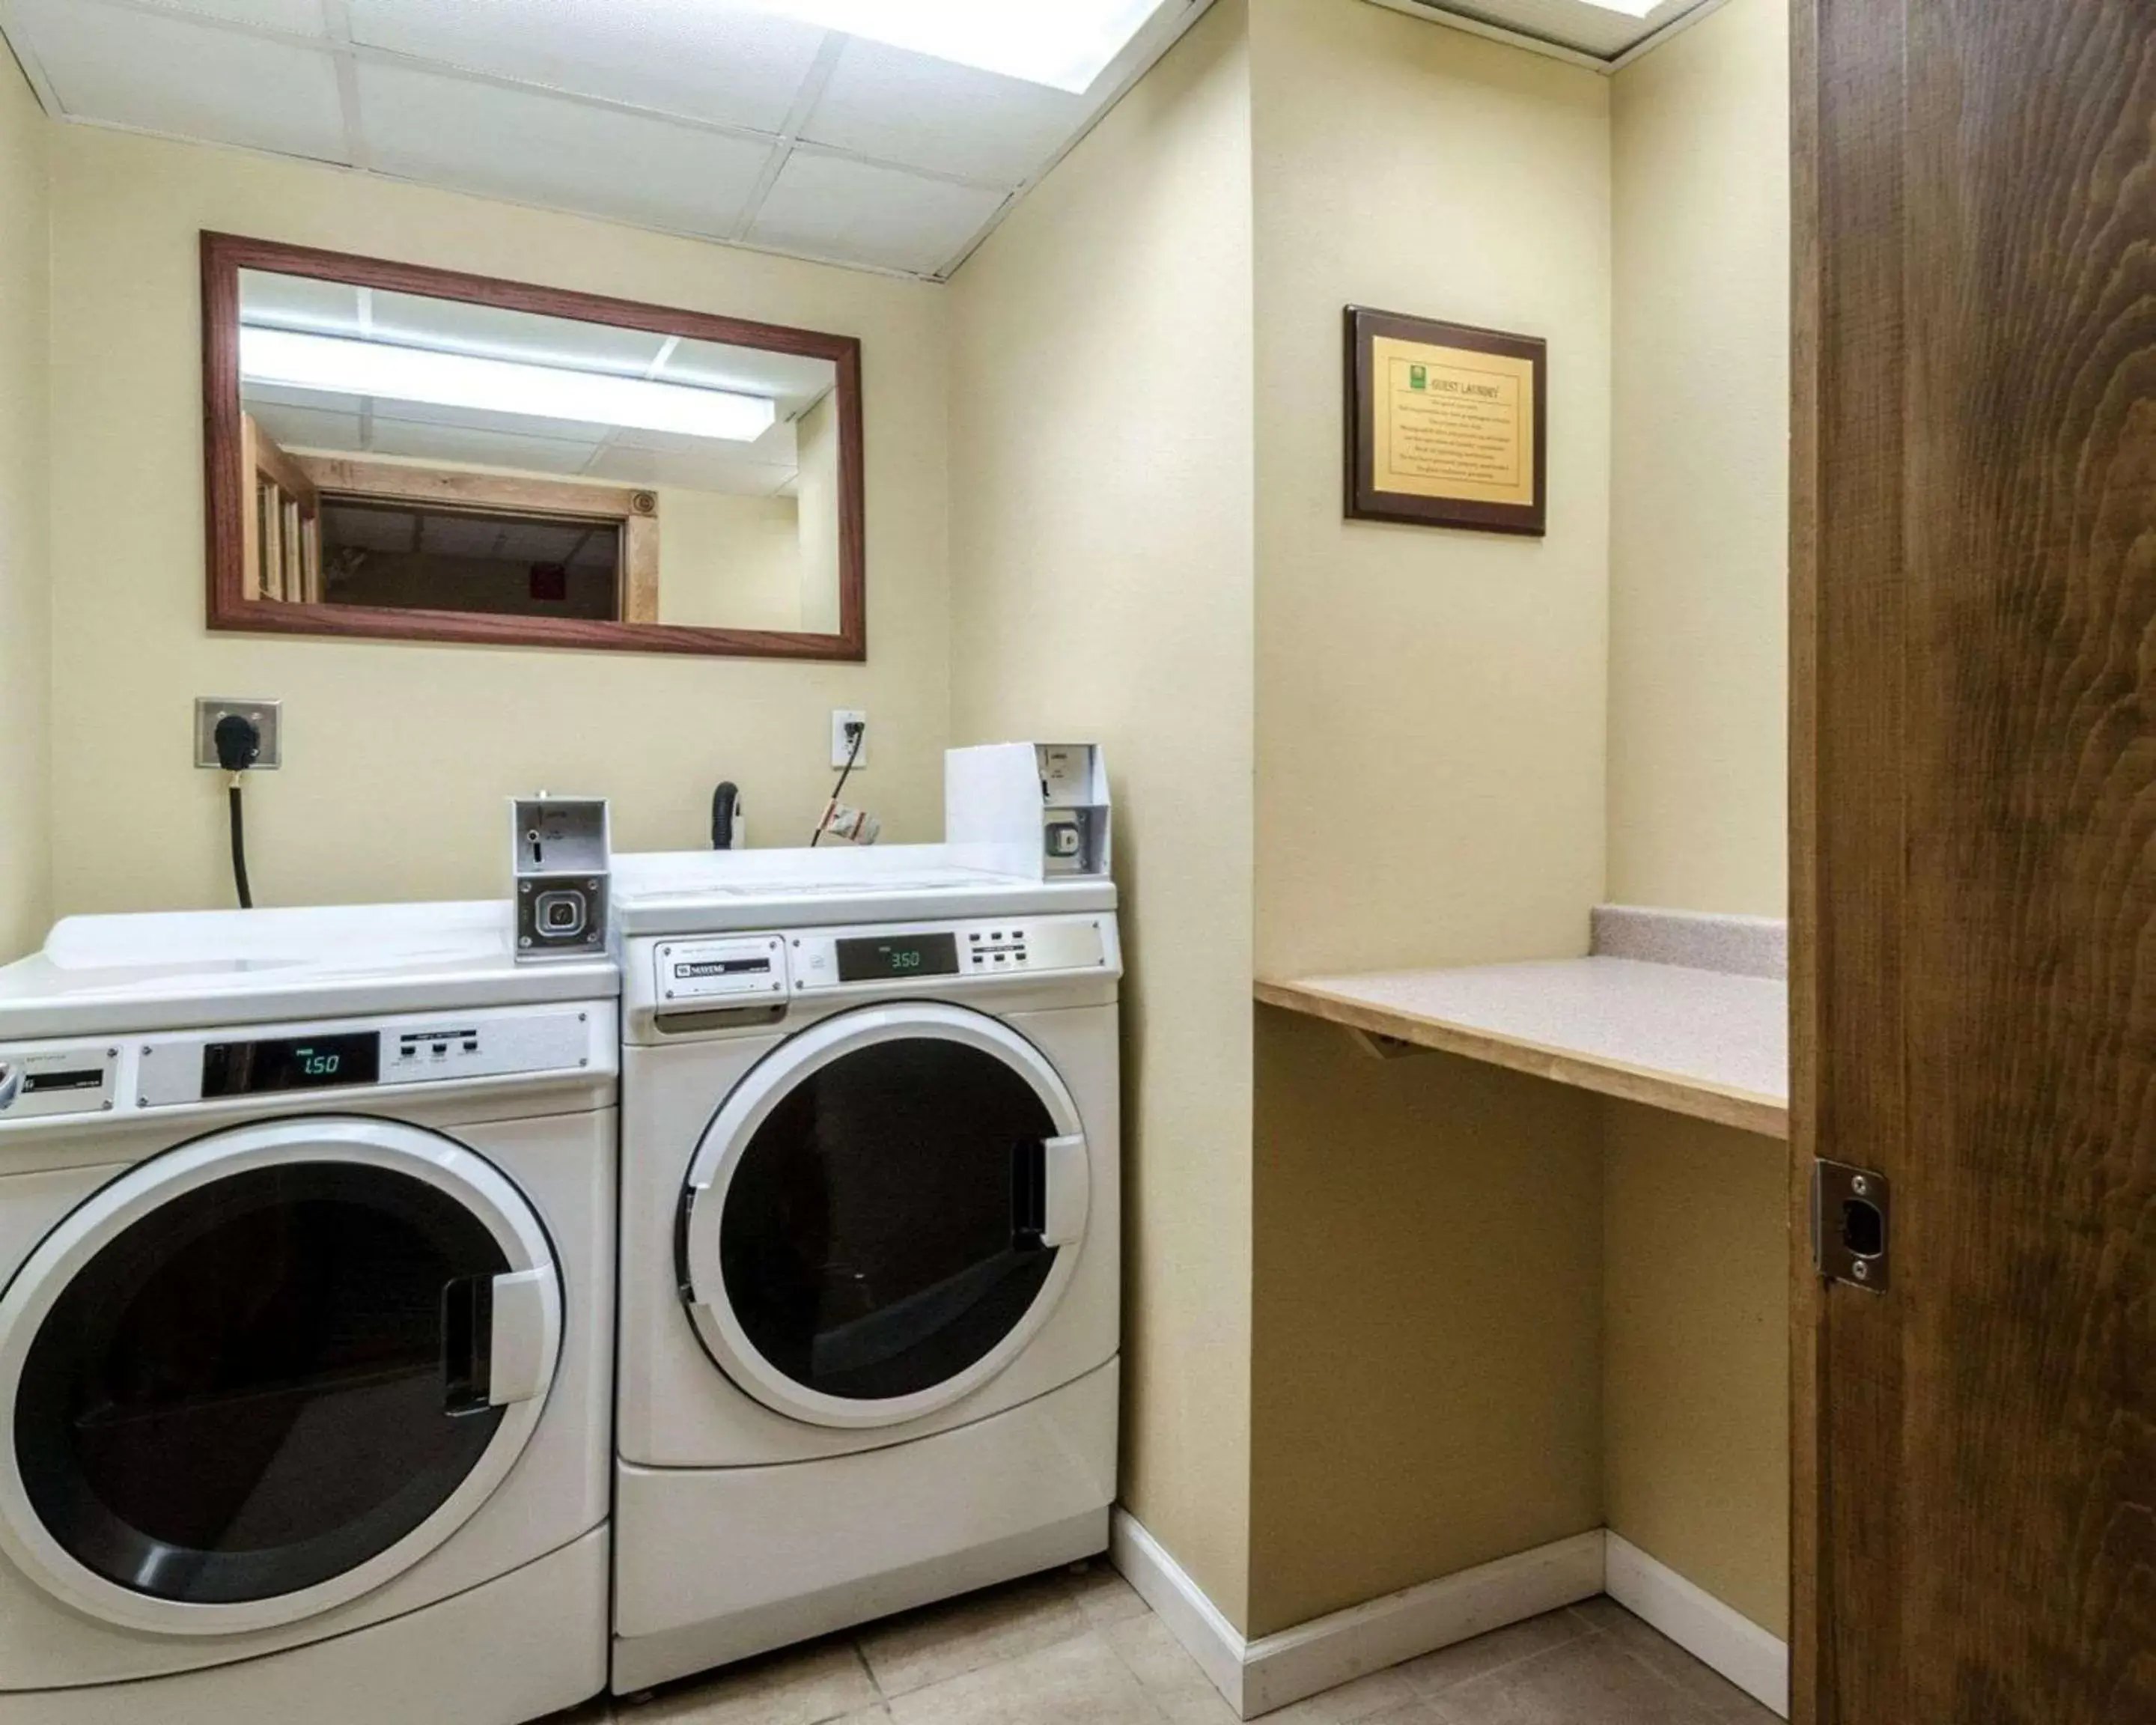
[(884, 957)]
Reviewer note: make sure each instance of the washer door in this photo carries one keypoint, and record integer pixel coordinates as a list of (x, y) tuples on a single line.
[(259, 1375), (883, 1213)]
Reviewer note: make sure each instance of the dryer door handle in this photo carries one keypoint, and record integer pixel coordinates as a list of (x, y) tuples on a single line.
[(526, 1322), (1068, 1191)]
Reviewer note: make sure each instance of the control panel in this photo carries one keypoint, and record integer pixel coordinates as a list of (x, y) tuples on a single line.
[(999, 947), (52, 1081)]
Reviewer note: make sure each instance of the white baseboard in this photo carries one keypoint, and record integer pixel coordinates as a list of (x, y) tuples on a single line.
[(1257, 1677), (1732, 1644), (1177, 1601)]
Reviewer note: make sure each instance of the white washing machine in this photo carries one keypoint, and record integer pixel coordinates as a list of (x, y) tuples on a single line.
[(870, 1251), (306, 1241)]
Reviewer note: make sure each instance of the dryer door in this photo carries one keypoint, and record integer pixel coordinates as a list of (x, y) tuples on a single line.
[(883, 1213), (260, 1374)]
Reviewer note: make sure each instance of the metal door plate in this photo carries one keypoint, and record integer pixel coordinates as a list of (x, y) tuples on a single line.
[(1852, 1222)]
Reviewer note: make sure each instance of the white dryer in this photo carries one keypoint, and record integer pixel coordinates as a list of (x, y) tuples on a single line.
[(306, 1268), (870, 1256)]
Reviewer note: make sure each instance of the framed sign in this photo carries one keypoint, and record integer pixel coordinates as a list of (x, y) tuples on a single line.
[(1447, 424)]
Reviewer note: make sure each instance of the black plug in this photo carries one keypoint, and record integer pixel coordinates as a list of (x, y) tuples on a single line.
[(238, 742)]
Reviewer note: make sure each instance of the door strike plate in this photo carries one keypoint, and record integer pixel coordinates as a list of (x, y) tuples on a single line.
[(1852, 1215)]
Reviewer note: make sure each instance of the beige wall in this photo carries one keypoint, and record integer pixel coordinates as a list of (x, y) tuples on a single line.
[(730, 561), (1696, 1353), (1696, 1451), (25, 570), (1100, 416), (817, 493), (1425, 1395), (1699, 548), (396, 758), (1430, 704), (1429, 789)]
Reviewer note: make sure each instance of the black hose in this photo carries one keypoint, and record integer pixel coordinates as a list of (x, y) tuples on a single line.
[(239, 847)]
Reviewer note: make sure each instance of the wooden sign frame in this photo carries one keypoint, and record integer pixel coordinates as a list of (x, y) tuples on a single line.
[(1476, 511)]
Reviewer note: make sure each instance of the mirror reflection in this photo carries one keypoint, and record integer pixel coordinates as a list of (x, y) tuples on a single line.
[(411, 452)]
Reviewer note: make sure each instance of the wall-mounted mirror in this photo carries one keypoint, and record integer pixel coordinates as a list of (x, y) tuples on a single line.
[(411, 454)]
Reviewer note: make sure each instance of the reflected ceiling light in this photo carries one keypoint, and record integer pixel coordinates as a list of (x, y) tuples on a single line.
[(345, 366), (1064, 44), (1630, 8)]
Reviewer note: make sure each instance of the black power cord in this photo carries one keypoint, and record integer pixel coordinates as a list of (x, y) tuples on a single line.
[(238, 746), (856, 734)]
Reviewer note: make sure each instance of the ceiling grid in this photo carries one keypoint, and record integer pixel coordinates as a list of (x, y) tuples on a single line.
[(703, 119)]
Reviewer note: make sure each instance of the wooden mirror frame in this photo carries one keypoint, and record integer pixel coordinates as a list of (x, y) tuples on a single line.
[(224, 255)]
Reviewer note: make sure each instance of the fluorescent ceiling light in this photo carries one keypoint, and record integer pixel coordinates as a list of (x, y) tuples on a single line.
[(1065, 44), (1630, 8), (345, 366)]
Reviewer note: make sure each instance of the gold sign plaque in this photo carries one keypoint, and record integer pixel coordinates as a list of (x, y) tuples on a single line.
[(1445, 424)]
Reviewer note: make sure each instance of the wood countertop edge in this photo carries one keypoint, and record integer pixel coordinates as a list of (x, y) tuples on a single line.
[(1677, 1092)]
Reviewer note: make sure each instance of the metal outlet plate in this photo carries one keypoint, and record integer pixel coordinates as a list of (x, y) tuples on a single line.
[(1852, 1225), (269, 717)]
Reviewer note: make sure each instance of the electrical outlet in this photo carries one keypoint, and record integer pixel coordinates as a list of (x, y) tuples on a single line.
[(842, 746), (269, 717)]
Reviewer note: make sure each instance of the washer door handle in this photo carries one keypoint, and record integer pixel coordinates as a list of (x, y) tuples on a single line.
[(1068, 1194)]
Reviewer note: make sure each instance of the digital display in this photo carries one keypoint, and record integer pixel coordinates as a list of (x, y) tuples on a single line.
[(885, 958), (245, 1068)]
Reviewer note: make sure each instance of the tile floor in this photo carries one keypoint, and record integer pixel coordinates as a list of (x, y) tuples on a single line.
[(1078, 1647)]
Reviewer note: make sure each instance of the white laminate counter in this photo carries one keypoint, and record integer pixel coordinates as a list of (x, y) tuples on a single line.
[(1700, 1042)]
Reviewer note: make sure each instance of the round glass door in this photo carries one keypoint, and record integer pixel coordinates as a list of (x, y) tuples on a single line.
[(255, 1376), (883, 1213)]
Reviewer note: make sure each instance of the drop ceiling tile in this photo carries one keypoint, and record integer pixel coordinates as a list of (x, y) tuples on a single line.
[(921, 112), (296, 18), (192, 79), (833, 206), (415, 440), (547, 150), (708, 62), (307, 428)]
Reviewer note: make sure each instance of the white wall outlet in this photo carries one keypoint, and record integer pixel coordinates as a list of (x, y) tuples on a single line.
[(269, 717), (842, 745)]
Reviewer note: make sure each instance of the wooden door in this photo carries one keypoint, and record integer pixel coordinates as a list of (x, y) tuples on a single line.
[(1975, 831)]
